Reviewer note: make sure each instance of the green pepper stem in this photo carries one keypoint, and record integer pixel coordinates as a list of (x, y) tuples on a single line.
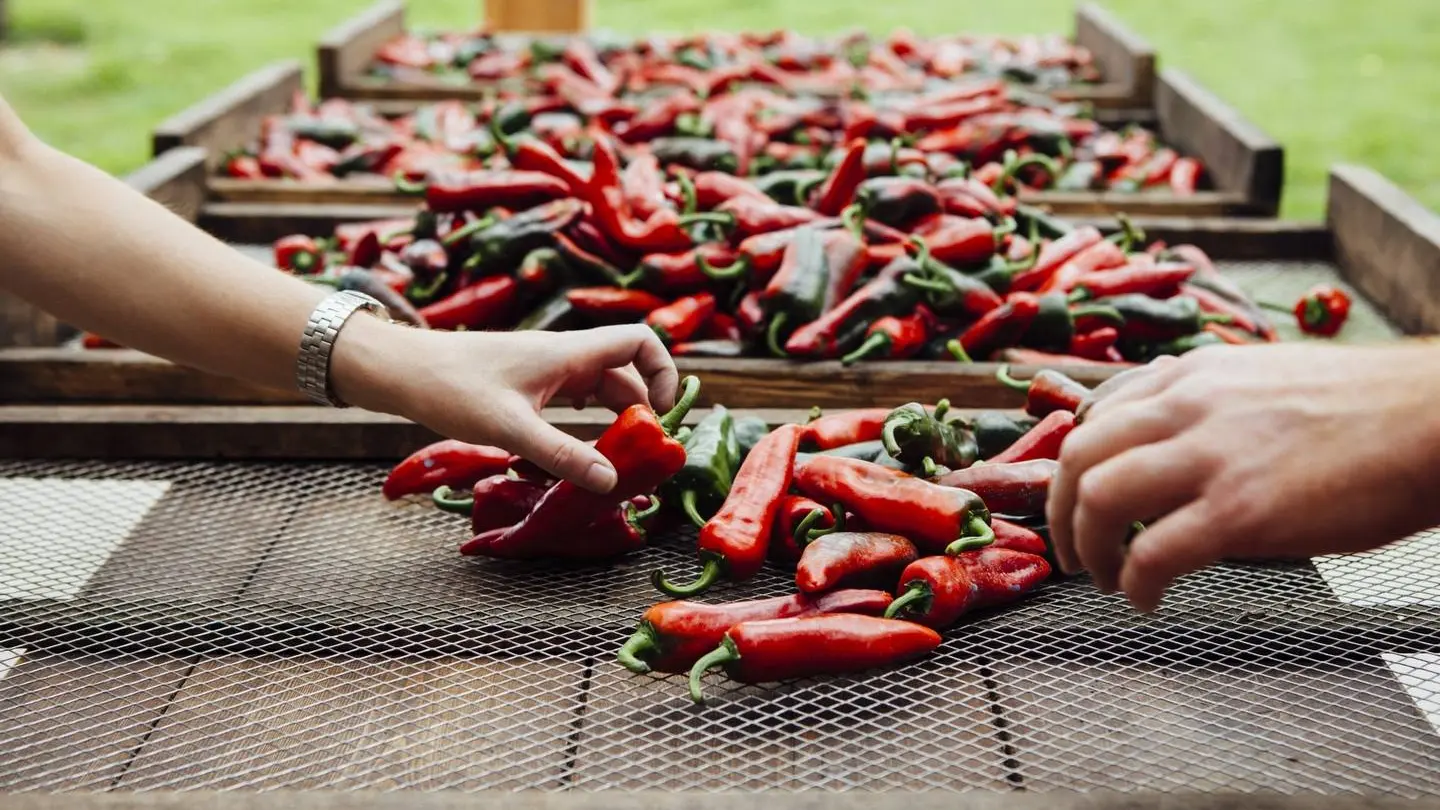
[(876, 343), (688, 506), (721, 218), (804, 187), (638, 516), (689, 392), (708, 576), (917, 595), (687, 193), (1005, 228), (466, 231), (772, 335), (929, 285), (1215, 317), (445, 500), (1101, 311), (888, 440), (642, 643), (978, 534), (1013, 164), (941, 408), (805, 531), (1003, 375), (838, 511), (957, 350), (425, 293), (815, 413), (1128, 235), (735, 270), (922, 248), (928, 467), (853, 218), (724, 654), (405, 186), (1077, 295)]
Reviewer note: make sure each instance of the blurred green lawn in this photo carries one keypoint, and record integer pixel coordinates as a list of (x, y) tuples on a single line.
[(1332, 80)]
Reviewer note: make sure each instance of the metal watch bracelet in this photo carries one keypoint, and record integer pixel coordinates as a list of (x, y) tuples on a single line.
[(318, 341)]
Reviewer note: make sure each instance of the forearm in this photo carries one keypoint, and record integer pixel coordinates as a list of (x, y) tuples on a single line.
[(85, 247)]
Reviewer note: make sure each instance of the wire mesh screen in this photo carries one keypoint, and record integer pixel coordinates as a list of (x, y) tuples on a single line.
[(251, 626)]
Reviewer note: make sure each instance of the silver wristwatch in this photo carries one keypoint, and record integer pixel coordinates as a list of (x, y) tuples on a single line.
[(313, 367)]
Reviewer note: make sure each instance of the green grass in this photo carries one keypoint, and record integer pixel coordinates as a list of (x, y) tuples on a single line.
[(1332, 80)]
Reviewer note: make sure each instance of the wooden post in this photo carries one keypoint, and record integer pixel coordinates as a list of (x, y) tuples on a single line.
[(548, 16)]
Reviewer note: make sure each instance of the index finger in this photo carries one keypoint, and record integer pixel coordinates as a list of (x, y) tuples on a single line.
[(1135, 382), (636, 345)]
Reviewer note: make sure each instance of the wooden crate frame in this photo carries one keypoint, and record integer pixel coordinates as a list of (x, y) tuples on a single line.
[(1386, 244), (1125, 59), (1245, 165)]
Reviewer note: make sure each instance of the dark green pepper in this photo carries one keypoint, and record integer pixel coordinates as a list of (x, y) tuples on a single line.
[(554, 315), (1053, 327), (749, 430), (336, 133), (1155, 320), (789, 187), (898, 201), (796, 293), (911, 434), (1046, 225), (995, 431), (504, 244), (712, 456), (700, 154)]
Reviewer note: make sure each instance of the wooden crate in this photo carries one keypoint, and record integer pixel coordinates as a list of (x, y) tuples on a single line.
[(1126, 61)]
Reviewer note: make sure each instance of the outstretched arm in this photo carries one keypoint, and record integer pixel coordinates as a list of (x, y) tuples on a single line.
[(95, 253)]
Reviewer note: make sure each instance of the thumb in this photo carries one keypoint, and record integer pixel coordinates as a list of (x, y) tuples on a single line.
[(561, 454)]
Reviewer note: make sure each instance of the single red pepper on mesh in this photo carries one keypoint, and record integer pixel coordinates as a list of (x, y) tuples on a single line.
[(1322, 310), (1054, 255), (612, 303), (936, 591), (798, 521), (838, 190), (840, 429), (895, 338), (487, 303), (672, 636), (1015, 488), (1208, 278), (682, 318), (616, 532), (782, 649), (1184, 176), (1159, 280), (299, 253), (1015, 537), (1094, 345), (999, 328), (448, 463), (931, 516), (852, 559), (1041, 441), (1048, 391), (734, 542), (494, 502), (483, 189), (641, 446)]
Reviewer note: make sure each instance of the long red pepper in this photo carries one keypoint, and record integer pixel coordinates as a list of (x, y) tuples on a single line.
[(612, 303), (1215, 304), (1054, 255), (1103, 255), (1035, 357), (1047, 391), (480, 190), (852, 559), (1094, 344), (715, 188), (782, 649), (639, 444), (930, 515), (1017, 489), (752, 216), (895, 337), (937, 591), (1041, 441), (486, 303), (672, 636), (840, 429), (679, 320), (1159, 280), (494, 502), (838, 190), (617, 531), (1017, 538), (733, 543), (449, 463), (999, 328)]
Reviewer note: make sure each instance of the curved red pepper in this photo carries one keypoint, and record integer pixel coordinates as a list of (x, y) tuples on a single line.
[(937, 591), (487, 303), (448, 463), (672, 636), (1054, 255), (676, 272), (714, 188), (1018, 489), (679, 320), (538, 156), (758, 216), (850, 559), (1047, 391), (999, 328), (895, 338), (494, 502), (734, 542), (618, 531), (1094, 344), (1041, 441), (481, 190), (838, 190), (612, 303), (1145, 277), (840, 429)]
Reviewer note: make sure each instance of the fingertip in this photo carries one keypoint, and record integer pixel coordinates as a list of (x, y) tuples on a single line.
[(599, 478)]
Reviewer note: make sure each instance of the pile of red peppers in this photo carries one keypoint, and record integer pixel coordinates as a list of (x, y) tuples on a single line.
[(897, 524)]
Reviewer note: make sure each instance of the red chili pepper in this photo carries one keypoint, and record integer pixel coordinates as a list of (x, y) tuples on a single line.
[(1207, 277), (299, 253), (782, 649), (960, 242), (1160, 280), (1232, 336), (481, 190), (715, 188), (682, 272), (406, 50), (365, 251), (244, 166), (798, 521), (750, 313), (1215, 304), (1184, 176), (613, 304), (1046, 392), (721, 327), (930, 515), (672, 636), (937, 591), (1035, 357), (446, 463), (999, 328), (1322, 311), (681, 319), (842, 328), (734, 542), (616, 532), (895, 338), (641, 446), (1102, 255), (763, 253), (1016, 488), (946, 115), (1040, 442), (494, 502), (662, 233), (1015, 537), (849, 559), (1094, 345), (538, 156), (839, 188), (840, 429), (487, 303), (1054, 255), (756, 216), (644, 186), (580, 56)]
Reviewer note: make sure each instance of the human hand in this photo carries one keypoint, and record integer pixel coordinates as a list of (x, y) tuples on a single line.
[(1247, 452), (489, 387)]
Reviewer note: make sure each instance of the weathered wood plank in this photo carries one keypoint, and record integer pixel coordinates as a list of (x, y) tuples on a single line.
[(231, 117), (1388, 245), (1126, 60), (355, 191), (552, 16), (1199, 204), (1253, 238), (347, 50), (254, 223), (1239, 157), (176, 179)]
